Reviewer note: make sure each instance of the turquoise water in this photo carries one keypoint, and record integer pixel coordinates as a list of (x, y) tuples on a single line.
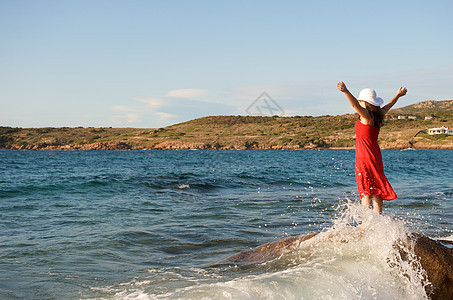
[(150, 224)]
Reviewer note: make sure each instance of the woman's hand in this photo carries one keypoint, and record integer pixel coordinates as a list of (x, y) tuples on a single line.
[(401, 92), (342, 87), (363, 112)]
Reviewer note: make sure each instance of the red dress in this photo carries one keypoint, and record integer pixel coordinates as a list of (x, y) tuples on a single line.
[(369, 170)]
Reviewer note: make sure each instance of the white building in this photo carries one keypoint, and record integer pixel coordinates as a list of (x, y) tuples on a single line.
[(440, 130), (402, 117), (428, 118)]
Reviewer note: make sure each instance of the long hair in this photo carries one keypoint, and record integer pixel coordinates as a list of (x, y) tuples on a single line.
[(376, 115)]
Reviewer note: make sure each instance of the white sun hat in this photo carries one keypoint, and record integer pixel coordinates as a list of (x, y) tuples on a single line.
[(369, 95)]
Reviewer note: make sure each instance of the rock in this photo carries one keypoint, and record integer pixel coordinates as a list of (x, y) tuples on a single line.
[(396, 145), (435, 258), (266, 252), (437, 261), (178, 145)]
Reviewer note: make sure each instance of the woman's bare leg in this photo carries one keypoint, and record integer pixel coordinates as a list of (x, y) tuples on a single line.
[(366, 202), (377, 204)]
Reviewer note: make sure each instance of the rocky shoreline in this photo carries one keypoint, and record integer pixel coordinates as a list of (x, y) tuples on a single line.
[(172, 145)]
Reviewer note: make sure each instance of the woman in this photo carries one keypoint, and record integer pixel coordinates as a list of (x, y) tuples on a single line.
[(369, 170)]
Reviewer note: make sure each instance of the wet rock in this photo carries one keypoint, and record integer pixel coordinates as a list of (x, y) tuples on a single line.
[(437, 261), (435, 258), (266, 252)]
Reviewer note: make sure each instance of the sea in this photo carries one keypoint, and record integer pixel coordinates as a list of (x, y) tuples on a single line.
[(157, 224)]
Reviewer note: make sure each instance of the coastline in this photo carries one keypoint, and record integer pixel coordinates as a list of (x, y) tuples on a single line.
[(247, 132), (123, 146)]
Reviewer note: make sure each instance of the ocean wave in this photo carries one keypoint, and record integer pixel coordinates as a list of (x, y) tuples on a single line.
[(355, 258)]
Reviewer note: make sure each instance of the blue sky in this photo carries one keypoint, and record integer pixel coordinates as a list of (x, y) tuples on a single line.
[(156, 63)]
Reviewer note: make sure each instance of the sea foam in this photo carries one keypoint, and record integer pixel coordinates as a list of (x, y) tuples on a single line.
[(363, 255)]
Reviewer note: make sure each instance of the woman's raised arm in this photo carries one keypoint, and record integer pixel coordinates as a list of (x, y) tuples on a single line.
[(401, 92), (363, 112)]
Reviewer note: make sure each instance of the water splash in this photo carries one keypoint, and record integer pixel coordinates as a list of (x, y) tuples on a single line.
[(382, 241), (363, 255), (183, 186)]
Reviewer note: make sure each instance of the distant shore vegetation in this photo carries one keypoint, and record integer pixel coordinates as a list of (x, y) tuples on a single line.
[(405, 127)]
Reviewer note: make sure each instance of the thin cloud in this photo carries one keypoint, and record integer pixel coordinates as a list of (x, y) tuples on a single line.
[(133, 118), (123, 108), (151, 102), (130, 115), (175, 106), (165, 116), (186, 93), (130, 118)]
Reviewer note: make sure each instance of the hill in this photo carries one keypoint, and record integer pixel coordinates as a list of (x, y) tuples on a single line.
[(427, 108), (244, 132)]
